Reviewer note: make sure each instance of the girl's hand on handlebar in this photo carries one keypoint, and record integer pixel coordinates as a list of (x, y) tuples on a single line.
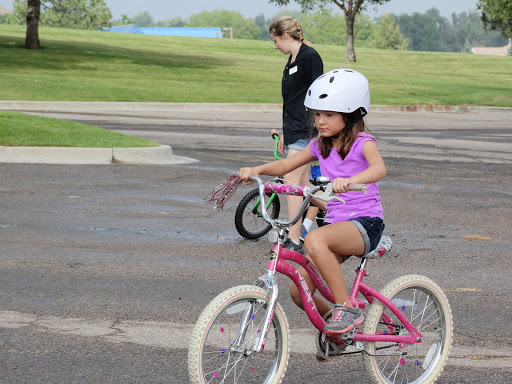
[(245, 174), (340, 185)]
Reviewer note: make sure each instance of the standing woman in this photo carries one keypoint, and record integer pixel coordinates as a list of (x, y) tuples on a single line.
[(303, 67)]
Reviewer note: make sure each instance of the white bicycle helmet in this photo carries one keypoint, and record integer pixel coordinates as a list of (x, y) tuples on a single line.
[(340, 90)]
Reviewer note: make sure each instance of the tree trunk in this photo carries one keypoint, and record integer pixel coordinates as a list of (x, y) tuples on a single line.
[(351, 54), (32, 37)]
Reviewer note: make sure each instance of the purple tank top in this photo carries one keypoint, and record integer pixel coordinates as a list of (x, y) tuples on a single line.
[(358, 204)]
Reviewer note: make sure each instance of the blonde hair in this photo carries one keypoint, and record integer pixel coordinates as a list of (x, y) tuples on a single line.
[(289, 25)]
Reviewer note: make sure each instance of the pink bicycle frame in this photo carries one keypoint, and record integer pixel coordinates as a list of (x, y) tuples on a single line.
[(278, 262)]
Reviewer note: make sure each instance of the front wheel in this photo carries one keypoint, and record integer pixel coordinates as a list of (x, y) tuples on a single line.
[(220, 348), (248, 220), (425, 305)]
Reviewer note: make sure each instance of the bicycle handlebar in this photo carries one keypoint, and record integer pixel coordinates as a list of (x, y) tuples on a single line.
[(294, 190), (275, 136), (287, 189)]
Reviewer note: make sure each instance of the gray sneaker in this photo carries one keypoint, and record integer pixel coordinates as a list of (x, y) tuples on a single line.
[(289, 244), (343, 319)]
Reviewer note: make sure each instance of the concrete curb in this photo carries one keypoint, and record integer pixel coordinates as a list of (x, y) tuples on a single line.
[(164, 153), (64, 155), (99, 107)]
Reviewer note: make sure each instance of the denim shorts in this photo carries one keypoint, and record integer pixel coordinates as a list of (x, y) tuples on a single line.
[(299, 145), (371, 229)]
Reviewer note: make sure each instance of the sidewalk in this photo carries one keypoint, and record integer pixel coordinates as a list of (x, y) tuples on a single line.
[(162, 154)]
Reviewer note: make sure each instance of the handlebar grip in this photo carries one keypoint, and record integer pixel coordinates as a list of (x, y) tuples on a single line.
[(329, 195), (358, 187), (284, 189)]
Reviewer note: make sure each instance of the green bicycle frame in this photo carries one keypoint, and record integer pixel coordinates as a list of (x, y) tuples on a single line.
[(272, 196)]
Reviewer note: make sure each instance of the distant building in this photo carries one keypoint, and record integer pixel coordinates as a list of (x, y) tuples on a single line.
[(495, 51), (191, 32)]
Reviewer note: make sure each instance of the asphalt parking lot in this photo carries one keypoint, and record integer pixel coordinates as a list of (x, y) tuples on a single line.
[(105, 268)]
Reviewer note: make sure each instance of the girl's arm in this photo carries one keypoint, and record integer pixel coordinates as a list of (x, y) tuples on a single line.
[(375, 172), (279, 167)]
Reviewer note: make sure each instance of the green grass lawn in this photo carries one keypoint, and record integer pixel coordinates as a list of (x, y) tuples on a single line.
[(103, 66), (77, 65), (18, 129)]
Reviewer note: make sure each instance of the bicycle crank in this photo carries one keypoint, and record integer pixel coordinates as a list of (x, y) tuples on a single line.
[(335, 345)]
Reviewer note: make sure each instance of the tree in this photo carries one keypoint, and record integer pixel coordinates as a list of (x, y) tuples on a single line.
[(326, 27), (4, 19), (33, 13), (242, 28), (323, 27), (387, 36), (469, 31), (497, 14), (176, 22), (430, 31), (125, 19), (263, 25), (350, 7), (426, 32), (364, 30), (142, 19), (288, 12), (78, 14)]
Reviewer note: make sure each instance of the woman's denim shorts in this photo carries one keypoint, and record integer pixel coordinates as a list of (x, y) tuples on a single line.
[(299, 145), (371, 229)]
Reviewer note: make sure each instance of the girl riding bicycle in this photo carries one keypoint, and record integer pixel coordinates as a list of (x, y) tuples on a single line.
[(347, 155)]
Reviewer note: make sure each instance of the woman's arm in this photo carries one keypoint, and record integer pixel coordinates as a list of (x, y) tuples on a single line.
[(279, 167)]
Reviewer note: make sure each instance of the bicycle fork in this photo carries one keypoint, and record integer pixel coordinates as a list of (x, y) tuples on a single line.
[(248, 317)]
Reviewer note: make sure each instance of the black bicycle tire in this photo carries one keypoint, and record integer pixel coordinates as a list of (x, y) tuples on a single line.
[(242, 210)]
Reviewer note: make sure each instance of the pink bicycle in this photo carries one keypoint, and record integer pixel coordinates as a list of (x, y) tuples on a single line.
[(242, 336)]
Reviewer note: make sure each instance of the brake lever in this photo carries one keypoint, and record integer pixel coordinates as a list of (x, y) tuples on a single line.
[(328, 195)]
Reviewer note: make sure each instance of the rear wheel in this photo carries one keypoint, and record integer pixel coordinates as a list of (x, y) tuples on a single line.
[(248, 220), (425, 305)]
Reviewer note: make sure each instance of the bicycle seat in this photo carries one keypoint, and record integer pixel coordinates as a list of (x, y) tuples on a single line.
[(384, 247)]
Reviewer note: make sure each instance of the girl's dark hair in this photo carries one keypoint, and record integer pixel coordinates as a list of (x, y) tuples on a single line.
[(353, 125)]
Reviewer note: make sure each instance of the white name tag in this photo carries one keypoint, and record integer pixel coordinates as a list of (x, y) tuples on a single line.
[(292, 70)]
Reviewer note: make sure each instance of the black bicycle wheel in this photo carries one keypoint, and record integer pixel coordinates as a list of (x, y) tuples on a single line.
[(248, 220)]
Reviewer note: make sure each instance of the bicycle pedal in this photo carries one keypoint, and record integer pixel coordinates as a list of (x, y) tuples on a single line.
[(347, 338)]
